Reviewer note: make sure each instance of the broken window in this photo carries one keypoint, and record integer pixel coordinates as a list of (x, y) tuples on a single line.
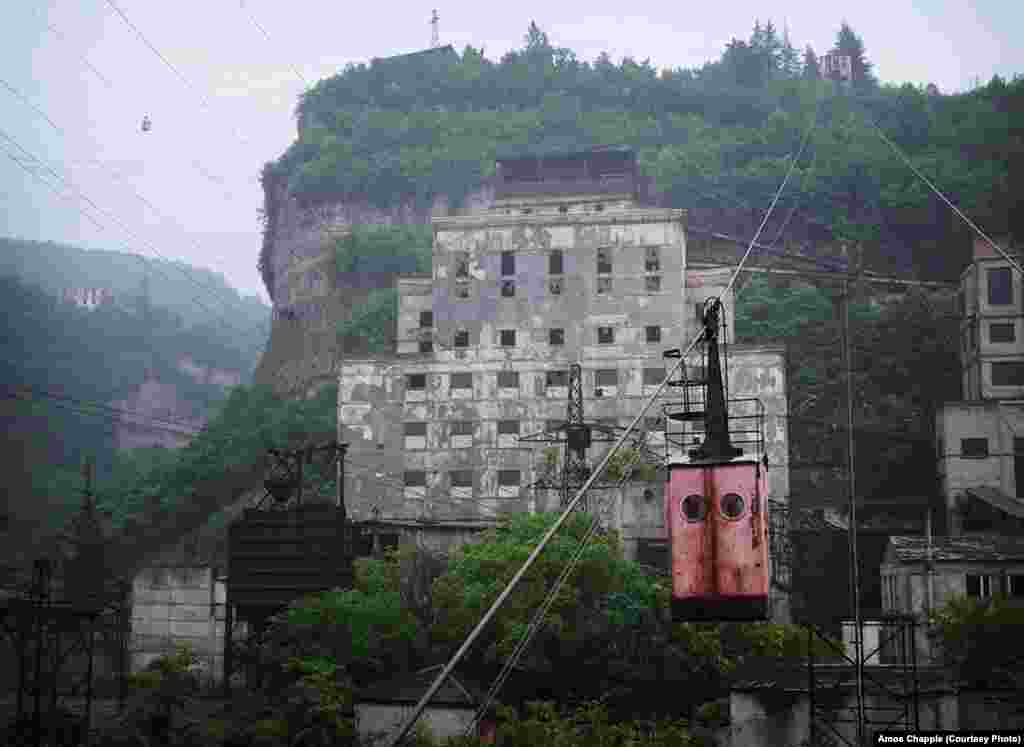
[(462, 381), (653, 334), (980, 587), (461, 338), (462, 264), (461, 478), (509, 478), (974, 448), (555, 262), (508, 338), (416, 479), (605, 335), (508, 288), (1000, 287), (653, 376), (508, 263), (1008, 373), (508, 379), (426, 319), (556, 337), (416, 381), (604, 261), (653, 261), (1001, 332), (557, 378), (604, 285)]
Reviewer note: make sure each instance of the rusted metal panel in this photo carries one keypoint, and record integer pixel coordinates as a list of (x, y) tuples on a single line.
[(718, 544)]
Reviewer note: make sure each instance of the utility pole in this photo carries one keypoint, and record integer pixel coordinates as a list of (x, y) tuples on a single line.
[(858, 629)]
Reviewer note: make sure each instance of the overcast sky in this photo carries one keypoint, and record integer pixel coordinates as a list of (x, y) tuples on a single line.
[(199, 164)]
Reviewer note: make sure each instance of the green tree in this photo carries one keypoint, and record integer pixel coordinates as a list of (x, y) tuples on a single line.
[(849, 44)]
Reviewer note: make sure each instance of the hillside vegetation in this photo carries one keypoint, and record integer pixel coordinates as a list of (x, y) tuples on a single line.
[(715, 136)]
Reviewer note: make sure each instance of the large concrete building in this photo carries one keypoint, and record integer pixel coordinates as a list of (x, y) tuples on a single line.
[(981, 439), (564, 267)]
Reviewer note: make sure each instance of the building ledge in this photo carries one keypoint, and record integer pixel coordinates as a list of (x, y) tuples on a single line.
[(611, 217)]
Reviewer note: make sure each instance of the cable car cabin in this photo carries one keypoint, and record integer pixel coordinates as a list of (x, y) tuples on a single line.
[(716, 503)]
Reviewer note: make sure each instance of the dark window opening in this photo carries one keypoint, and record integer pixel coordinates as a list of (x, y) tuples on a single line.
[(416, 381), (694, 508), (426, 319), (508, 379), (461, 338), (556, 337), (1001, 332), (461, 478), (653, 261), (653, 283), (509, 478), (1016, 585), (974, 448), (604, 285), (980, 587), (605, 335), (698, 312), (508, 288), (462, 289), (555, 262), (555, 286), (462, 265), (416, 429), (426, 346), (462, 381), (508, 263), (462, 428), (604, 261), (508, 338), (1008, 373), (606, 377), (1000, 287), (563, 209), (653, 376), (557, 378), (416, 479), (653, 334), (508, 427)]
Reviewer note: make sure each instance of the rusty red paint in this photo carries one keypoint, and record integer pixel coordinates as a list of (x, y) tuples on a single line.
[(718, 557)]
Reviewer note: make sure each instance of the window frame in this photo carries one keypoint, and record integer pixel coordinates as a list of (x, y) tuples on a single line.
[(410, 378), (562, 375), (1003, 327), (656, 330), (508, 264), (462, 377), (460, 339), (504, 336), (556, 259), (1015, 366), (606, 335), (556, 336), (426, 320)]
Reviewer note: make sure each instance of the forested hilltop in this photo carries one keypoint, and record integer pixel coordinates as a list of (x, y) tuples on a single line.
[(67, 374), (714, 136)]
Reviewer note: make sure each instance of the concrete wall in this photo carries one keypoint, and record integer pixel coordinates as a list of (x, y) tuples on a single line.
[(377, 722), (174, 605), (769, 717), (1000, 423)]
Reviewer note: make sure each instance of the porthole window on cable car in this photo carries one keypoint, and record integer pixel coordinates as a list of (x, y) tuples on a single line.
[(694, 508), (732, 506)]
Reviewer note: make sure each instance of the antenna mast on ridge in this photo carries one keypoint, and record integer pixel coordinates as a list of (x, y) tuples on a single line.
[(435, 39)]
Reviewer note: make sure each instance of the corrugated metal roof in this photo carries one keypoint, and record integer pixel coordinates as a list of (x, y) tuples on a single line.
[(967, 548), (999, 499)]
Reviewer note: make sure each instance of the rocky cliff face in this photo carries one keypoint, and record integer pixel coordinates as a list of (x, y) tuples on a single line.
[(155, 414)]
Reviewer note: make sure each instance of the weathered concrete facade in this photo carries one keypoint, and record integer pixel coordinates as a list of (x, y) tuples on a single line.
[(519, 291)]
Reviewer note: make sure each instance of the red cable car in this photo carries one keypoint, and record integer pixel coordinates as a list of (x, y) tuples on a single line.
[(716, 504)]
